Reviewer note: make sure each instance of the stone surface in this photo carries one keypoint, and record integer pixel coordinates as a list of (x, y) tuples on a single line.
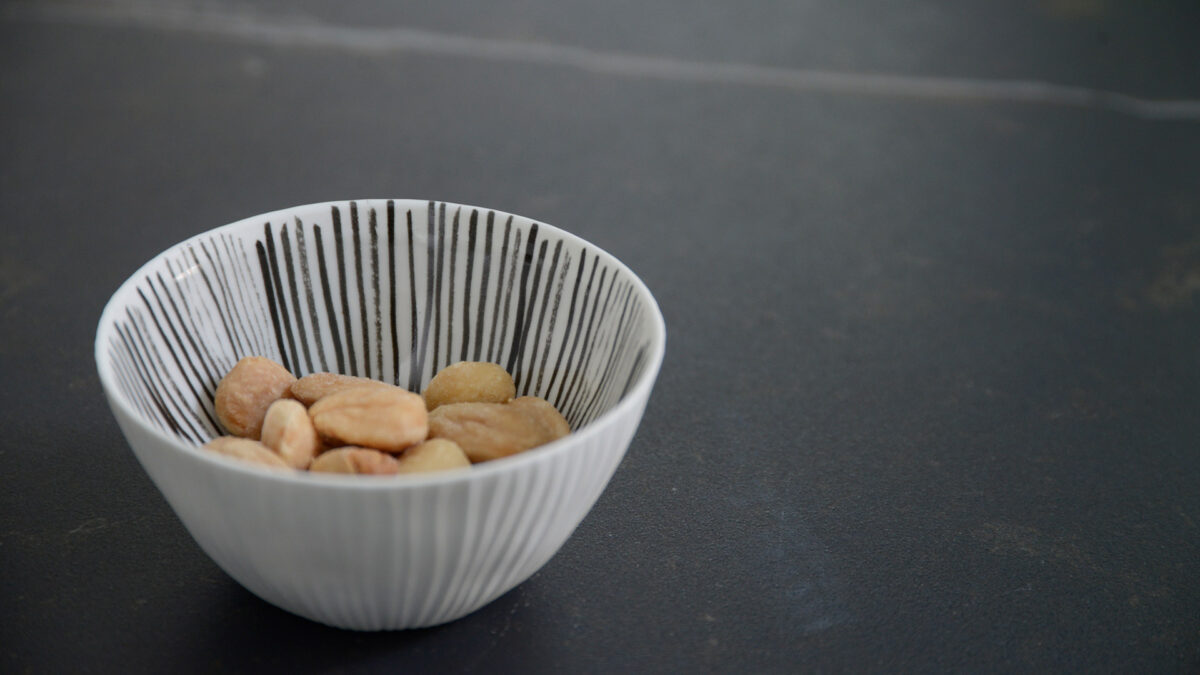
[(929, 401)]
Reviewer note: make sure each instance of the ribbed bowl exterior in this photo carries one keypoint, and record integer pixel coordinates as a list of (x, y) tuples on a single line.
[(392, 290)]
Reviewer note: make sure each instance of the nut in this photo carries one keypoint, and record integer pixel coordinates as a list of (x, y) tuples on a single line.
[(288, 430), (355, 460), (488, 431), (436, 454), (246, 392), (246, 450), (385, 418), (470, 381), (312, 388)]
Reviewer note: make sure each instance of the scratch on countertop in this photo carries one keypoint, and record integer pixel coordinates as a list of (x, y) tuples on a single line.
[(236, 23)]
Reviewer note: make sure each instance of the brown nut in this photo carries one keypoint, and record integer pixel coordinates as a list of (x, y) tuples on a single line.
[(470, 382), (355, 460), (436, 454), (288, 430), (384, 418), (543, 413), (488, 431), (246, 450), (246, 392), (312, 388)]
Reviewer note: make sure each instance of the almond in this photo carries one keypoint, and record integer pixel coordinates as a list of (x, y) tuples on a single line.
[(245, 393), (436, 454), (487, 431), (386, 418), (354, 460), (312, 388), (247, 451), (288, 430), (470, 382)]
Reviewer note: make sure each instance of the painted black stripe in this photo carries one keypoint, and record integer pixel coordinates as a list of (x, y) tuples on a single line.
[(173, 394), (210, 375), (266, 274), (207, 384), (362, 296), (340, 246), (634, 370), (483, 285), (412, 306), (439, 254), (148, 379), (613, 391), (521, 327), (326, 291), (376, 299), (499, 293), (562, 346), (430, 247), (217, 297), (391, 230), (472, 226), (286, 242), (549, 334), (529, 311), (122, 362), (306, 279), (237, 341), (568, 366), (585, 355), (508, 292), (608, 364), (246, 281), (537, 335), (230, 284), (289, 358), (525, 317), (451, 283), (184, 318), (172, 405), (628, 336)]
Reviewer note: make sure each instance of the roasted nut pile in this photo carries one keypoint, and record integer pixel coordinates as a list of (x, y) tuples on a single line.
[(334, 423)]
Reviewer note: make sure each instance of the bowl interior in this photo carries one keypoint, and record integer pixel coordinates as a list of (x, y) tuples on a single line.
[(393, 290)]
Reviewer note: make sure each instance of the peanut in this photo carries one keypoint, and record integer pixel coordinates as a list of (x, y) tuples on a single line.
[(288, 430), (470, 382), (355, 460), (487, 431), (246, 450), (385, 418), (312, 388), (246, 392), (436, 454)]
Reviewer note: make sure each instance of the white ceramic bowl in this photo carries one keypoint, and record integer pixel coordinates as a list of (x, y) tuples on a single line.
[(393, 290)]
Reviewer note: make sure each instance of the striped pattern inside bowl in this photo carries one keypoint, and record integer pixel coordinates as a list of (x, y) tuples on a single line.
[(392, 290)]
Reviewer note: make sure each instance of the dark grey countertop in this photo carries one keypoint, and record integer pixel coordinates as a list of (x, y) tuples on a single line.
[(930, 273)]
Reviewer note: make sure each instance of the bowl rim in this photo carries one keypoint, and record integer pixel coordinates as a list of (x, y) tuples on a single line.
[(640, 389)]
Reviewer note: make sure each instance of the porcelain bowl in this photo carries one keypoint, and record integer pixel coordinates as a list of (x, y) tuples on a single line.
[(392, 290)]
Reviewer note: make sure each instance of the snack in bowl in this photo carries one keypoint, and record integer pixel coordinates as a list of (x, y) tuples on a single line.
[(385, 293), (350, 421)]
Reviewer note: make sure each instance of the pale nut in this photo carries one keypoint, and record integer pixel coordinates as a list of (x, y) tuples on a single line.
[(487, 431), (312, 388), (355, 460), (470, 382), (288, 430), (384, 418), (247, 451), (245, 393), (543, 413), (436, 454)]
